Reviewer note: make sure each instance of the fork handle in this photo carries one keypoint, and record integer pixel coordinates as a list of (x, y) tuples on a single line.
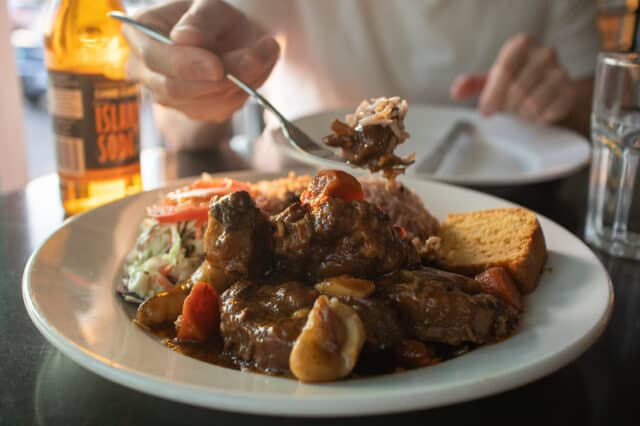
[(265, 103)]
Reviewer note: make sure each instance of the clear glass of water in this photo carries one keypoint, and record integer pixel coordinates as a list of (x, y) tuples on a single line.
[(613, 212)]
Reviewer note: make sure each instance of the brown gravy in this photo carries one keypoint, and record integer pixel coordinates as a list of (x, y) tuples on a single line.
[(376, 365)]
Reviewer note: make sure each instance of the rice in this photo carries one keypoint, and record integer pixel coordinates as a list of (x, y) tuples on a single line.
[(381, 112), (273, 196), (403, 206)]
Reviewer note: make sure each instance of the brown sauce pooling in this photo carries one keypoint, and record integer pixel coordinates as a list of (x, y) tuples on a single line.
[(369, 365), (210, 352), (413, 318)]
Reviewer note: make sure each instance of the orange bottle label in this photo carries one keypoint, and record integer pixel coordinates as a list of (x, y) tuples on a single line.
[(96, 122)]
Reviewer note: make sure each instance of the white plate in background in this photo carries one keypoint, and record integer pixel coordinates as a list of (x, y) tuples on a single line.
[(508, 152)]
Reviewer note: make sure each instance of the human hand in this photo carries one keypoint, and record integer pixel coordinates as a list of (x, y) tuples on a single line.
[(210, 37), (526, 80)]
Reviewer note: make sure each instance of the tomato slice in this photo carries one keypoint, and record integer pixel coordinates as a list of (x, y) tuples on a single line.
[(197, 194), (192, 201), (170, 214), (200, 314), (203, 190), (220, 183)]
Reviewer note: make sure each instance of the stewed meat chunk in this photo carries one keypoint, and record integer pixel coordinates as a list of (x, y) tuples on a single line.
[(380, 320), (338, 237), (260, 323), (438, 306), (238, 236)]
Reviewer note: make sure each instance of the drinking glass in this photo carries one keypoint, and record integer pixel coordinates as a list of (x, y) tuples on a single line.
[(613, 212)]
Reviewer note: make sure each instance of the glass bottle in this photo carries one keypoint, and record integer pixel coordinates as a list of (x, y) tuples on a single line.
[(95, 111)]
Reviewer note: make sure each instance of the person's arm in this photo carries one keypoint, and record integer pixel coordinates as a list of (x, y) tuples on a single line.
[(548, 80), (211, 38), (527, 80), (181, 133)]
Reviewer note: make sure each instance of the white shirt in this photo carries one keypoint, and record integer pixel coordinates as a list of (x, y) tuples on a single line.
[(337, 52)]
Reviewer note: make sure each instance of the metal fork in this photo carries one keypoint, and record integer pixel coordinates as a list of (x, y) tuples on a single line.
[(296, 137)]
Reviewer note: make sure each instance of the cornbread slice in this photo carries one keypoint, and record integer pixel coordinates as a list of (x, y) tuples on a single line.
[(511, 238)]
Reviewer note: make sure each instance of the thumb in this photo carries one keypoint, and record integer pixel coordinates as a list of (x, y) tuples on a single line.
[(467, 85)]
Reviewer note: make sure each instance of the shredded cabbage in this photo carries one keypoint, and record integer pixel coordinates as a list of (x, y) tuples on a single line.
[(164, 254)]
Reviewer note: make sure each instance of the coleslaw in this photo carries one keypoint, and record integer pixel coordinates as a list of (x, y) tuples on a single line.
[(164, 254)]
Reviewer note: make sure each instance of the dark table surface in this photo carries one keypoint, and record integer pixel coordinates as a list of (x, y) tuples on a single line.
[(41, 386)]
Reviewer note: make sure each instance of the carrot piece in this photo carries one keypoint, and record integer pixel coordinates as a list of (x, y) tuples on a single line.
[(332, 184), (498, 282), (200, 314)]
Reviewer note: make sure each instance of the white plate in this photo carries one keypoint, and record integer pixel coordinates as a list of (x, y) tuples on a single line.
[(509, 152), (69, 291)]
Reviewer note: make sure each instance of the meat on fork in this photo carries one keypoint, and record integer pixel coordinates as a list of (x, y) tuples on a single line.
[(371, 134), (238, 236)]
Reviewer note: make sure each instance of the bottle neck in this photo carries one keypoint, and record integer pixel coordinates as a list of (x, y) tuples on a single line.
[(83, 39), (96, 8)]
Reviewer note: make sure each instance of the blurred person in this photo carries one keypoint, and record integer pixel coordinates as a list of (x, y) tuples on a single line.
[(13, 167), (533, 59)]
